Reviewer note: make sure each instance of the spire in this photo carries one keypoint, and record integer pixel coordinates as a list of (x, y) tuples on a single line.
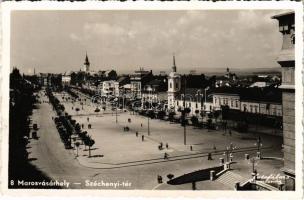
[(174, 66), (87, 60), (86, 63)]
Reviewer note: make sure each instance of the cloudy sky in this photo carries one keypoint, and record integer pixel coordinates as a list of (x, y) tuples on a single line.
[(56, 41)]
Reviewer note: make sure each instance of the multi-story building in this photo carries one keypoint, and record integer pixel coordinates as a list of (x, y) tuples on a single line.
[(109, 88), (155, 91), (138, 81), (286, 59)]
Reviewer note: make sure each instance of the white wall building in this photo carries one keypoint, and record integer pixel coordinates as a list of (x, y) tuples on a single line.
[(109, 88)]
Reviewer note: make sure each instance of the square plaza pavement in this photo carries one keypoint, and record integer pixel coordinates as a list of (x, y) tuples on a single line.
[(116, 149)]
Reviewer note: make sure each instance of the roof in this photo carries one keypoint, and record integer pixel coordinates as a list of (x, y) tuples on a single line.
[(283, 15), (154, 82), (266, 94), (122, 78)]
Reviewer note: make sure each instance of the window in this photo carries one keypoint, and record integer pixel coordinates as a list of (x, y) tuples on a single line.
[(256, 109), (176, 85), (250, 108), (170, 85), (196, 105), (231, 103), (236, 103), (274, 110), (214, 100)]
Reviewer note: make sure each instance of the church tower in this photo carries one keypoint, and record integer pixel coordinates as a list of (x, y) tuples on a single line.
[(174, 66), (174, 86), (86, 64)]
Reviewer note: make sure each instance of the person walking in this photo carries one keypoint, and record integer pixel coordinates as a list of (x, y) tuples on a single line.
[(167, 146), (191, 148), (166, 155), (142, 138), (136, 133), (209, 156)]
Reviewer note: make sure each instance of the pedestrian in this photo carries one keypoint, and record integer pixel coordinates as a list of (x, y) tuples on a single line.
[(72, 108), (209, 156), (191, 148), (167, 146), (141, 125), (166, 155), (136, 133), (214, 147), (88, 119), (159, 179), (82, 125), (142, 138)]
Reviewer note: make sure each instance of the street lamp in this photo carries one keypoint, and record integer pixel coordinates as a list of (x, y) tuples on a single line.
[(253, 161), (259, 147), (116, 108), (228, 152)]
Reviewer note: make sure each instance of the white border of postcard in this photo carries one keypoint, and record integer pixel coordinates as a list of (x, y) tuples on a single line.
[(7, 7)]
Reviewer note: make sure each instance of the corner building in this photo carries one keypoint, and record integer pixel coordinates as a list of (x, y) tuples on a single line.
[(286, 59)]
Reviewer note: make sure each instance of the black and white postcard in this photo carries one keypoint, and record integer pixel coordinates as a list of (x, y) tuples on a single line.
[(191, 98)]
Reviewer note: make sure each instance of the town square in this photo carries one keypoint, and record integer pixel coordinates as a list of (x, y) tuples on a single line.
[(153, 105)]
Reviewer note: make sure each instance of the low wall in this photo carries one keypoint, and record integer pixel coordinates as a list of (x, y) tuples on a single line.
[(199, 175)]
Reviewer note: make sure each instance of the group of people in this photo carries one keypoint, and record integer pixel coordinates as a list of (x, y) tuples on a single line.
[(160, 146)]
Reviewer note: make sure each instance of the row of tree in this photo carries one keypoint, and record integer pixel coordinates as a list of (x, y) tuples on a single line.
[(67, 126), (22, 101)]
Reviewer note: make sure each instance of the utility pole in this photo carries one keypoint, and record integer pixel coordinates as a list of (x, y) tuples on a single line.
[(184, 112), (116, 102), (148, 126)]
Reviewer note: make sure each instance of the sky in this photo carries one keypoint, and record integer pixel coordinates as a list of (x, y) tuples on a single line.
[(57, 41)]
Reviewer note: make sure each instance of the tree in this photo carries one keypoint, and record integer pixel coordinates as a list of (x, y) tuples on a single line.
[(216, 116), (171, 115), (151, 114), (77, 128), (161, 114), (89, 142), (209, 123), (194, 120)]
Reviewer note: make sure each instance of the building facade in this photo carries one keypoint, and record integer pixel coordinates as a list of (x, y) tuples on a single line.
[(286, 59)]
